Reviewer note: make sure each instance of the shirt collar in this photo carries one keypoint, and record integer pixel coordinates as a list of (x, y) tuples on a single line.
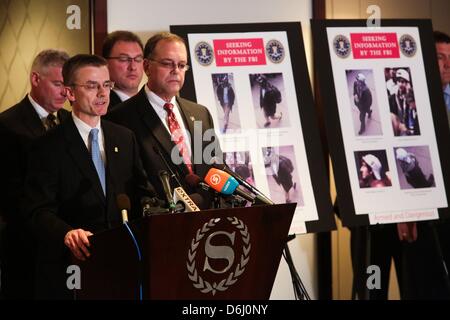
[(156, 101), (83, 127), (122, 95), (42, 113)]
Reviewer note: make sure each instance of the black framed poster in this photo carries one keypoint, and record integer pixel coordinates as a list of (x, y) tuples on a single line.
[(254, 80), (385, 119)]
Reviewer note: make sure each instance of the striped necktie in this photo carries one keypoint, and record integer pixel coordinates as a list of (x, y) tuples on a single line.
[(177, 135)]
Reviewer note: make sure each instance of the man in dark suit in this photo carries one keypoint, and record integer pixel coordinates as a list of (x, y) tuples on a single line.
[(225, 94), (156, 110), (124, 53), (78, 170), (39, 111)]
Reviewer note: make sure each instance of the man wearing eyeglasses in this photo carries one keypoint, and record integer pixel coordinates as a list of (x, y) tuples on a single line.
[(124, 52), (78, 170), (40, 110), (163, 120)]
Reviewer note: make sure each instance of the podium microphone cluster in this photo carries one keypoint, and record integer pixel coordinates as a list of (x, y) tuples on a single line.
[(259, 196), (221, 182)]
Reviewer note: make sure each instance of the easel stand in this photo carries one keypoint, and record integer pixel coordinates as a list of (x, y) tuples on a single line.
[(299, 289), (437, 243), (363, 236)]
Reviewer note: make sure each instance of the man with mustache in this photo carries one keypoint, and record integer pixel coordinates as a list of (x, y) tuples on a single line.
[(164, 121), (124, 52)]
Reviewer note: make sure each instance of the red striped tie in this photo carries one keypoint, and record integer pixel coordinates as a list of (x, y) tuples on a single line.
[(177, 135)]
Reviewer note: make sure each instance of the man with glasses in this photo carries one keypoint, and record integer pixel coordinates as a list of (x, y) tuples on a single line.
[(78, 170), (124, 52), (164, 122), (40, 110)]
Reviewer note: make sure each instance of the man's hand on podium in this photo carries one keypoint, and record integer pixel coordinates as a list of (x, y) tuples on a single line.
[(77, 241)]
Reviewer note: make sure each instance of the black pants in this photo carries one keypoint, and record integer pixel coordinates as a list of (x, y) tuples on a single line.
[(384, 245), (419, 267)]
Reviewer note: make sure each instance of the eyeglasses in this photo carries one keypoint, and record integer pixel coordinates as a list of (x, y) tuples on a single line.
[(169, 64), (127, 59), (93, 85)]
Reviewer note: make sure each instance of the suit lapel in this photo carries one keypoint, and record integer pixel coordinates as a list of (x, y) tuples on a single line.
[(112, 165), (189, 118), (152, 121), (63, 115), (31, 119), (80, 154)]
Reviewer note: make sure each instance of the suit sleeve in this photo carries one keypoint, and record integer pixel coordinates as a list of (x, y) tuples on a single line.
[(40, 200), (142, 185)]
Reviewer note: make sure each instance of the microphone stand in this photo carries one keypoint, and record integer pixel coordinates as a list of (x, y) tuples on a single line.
[(299, 289)]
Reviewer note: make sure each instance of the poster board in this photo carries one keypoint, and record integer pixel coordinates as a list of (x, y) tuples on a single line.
[(385, 119), (271, 135)]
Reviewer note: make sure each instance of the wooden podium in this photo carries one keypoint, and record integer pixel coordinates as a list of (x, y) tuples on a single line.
[(223, 254)]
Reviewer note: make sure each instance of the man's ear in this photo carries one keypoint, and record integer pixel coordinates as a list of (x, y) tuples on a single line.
[(34, 79), (146, 67), (70, 94)]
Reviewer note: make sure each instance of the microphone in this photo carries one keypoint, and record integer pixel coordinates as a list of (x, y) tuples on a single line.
[(164, 177), (216, 163), (225, 184), (123, 203), (152, 205), (166, 164), (195, 181), (180, 197)]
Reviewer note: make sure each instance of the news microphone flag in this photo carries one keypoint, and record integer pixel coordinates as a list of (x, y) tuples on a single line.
[(221, 181)]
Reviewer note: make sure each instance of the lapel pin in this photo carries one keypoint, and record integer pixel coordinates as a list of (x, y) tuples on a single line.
[(192, 118), (116, 149)]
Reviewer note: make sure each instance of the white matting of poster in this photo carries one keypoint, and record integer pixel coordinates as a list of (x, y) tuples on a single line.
[(263, 131), (397, 129)]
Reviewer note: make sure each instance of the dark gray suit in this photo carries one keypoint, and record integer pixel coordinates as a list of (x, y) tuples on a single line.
[(138, 115), (19, 127), (114, 100), (63, 192)]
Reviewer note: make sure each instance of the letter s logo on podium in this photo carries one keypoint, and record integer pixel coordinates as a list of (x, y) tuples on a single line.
[(214, 249), (219, 252)]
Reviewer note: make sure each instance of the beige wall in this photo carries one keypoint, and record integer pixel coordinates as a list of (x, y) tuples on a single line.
[(26, 28), (436, 10)]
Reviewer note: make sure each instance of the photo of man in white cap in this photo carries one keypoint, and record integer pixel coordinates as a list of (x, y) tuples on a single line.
[(363, 101), (402, 106), (409, 164), (372, 170)]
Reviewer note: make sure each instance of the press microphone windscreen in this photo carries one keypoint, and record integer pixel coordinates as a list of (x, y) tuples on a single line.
[(193, 180), (123, 202)]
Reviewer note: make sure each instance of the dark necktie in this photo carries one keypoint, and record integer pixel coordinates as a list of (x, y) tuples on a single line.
[(50, 121), (177, 135)]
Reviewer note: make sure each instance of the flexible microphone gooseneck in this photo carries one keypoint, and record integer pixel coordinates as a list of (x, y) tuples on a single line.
[(123, 203)]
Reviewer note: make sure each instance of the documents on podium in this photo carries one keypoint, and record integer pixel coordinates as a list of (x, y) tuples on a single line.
[(223, 254)]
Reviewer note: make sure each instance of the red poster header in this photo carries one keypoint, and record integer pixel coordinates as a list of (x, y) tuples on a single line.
[(239, 52), (374, 45)]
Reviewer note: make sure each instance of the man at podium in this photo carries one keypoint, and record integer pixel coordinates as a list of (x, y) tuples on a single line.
[(77, 171)]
